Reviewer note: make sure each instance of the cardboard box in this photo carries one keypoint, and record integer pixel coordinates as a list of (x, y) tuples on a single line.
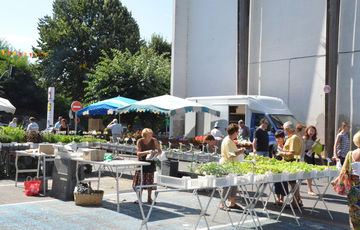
[(46, 148), (93, 154), (100, 154)]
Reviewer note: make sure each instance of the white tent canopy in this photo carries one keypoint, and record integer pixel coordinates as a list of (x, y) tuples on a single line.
[(169, 105), (6, 106)]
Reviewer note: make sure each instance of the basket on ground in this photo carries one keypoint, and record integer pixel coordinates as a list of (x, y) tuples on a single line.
[(89, 199)]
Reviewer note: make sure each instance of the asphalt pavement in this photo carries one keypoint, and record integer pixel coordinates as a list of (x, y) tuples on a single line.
[(174, 210)]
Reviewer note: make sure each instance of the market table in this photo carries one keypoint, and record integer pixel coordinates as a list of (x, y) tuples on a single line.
[(45, 158), (120, 167)]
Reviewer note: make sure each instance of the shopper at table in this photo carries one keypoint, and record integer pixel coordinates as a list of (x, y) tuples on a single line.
[(261, 139), (116, 129), (293, 146), (244, 131), (33, 126), (13, 123), (230, 153), (279, 189), (58, 123), (216, 132), (212, 144), (300, 131), (342, 143), (147, 147), (64, 127), (310, 139), (354, 194)]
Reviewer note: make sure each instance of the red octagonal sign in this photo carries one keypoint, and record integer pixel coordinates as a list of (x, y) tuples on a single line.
[(76, 106)]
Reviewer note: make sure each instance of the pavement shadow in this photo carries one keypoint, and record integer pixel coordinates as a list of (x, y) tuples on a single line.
[(161, 211)]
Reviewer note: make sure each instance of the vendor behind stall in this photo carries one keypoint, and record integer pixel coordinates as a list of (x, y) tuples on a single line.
[(212, 144)]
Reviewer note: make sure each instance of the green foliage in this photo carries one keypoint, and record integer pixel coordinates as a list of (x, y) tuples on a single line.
[(160, 45), (22, 90), (262, 165), (132, 76), (55, 138), (76, 34), (12, 134)]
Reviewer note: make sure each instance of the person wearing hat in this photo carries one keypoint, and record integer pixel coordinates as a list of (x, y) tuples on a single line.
[(216, 132), (244, 131), (116, 129), (33, 126)]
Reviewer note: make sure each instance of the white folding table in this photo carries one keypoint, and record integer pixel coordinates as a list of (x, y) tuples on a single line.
[(120, 167), (45, 158)]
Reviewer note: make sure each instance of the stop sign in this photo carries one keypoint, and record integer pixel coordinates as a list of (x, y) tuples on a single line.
[(76, 106)]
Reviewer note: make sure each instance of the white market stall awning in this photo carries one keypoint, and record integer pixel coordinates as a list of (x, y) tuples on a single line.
[(108, 106), (168, 105), (6, 106)]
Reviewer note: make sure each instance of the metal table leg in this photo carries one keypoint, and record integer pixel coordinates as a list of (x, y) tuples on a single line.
[(321, 196), (203, 210), (222, 201), (117, 190), (16, 168), (250, 206), (289, 198), (44, 174)]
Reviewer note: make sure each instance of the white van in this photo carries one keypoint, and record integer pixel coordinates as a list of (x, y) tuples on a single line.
[(249, 108)]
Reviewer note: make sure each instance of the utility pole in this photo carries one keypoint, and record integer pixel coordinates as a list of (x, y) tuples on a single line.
[(332, 37), (243, 46)]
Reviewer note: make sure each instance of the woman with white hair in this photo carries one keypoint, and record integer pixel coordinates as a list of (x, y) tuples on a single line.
[(353, 196), (293, 146)]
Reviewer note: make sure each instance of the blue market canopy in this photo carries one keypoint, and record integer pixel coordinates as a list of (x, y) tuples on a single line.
[(108, 106), (168, 105)]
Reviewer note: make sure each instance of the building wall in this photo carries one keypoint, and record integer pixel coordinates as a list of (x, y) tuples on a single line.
[(205, 48), (287, 55), (287, 48), (348, 81), (204, 55)]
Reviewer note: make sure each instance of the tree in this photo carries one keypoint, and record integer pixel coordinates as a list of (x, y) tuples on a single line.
[(22, 90), (139, 76), (160, 45), (75, 36)]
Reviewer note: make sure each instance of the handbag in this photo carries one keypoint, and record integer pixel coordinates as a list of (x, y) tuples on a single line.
[(343, 185), (32, 186)]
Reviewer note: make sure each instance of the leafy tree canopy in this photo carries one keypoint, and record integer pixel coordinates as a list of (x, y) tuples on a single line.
[(139, 76), (160, 45), (22, 90), (75, 36)]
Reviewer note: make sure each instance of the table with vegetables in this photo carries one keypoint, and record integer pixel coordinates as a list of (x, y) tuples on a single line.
[(255, 171)]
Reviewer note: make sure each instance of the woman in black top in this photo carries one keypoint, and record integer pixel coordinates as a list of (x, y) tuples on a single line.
[(146, 147)]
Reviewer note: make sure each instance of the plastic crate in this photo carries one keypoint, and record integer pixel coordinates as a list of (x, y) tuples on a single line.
[(261, 178), (320, 174), (274, 177), (202, 157), (174, 182), (198, 183)]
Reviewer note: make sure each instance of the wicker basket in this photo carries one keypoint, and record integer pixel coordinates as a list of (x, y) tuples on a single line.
[(91, 199)]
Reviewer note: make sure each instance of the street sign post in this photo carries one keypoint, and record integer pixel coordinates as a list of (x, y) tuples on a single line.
[(76, 106)]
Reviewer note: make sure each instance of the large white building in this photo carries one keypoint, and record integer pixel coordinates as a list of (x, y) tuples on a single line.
[(286, 55)]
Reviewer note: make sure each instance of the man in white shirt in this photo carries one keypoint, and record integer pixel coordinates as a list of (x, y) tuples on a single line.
[(116, 129), (57, 124), (216, 132), (33, 126), (13, 123)]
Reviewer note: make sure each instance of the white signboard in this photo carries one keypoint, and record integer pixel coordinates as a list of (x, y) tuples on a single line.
[(50, 107)]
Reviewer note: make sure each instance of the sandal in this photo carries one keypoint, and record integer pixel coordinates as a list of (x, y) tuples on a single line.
[(236, 206), (224, 208)]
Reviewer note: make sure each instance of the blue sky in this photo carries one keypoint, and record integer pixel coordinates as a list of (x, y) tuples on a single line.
[(19, 18)]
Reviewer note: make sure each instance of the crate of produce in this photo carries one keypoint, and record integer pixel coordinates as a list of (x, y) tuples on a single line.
[(274, 177), (198, 183)]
